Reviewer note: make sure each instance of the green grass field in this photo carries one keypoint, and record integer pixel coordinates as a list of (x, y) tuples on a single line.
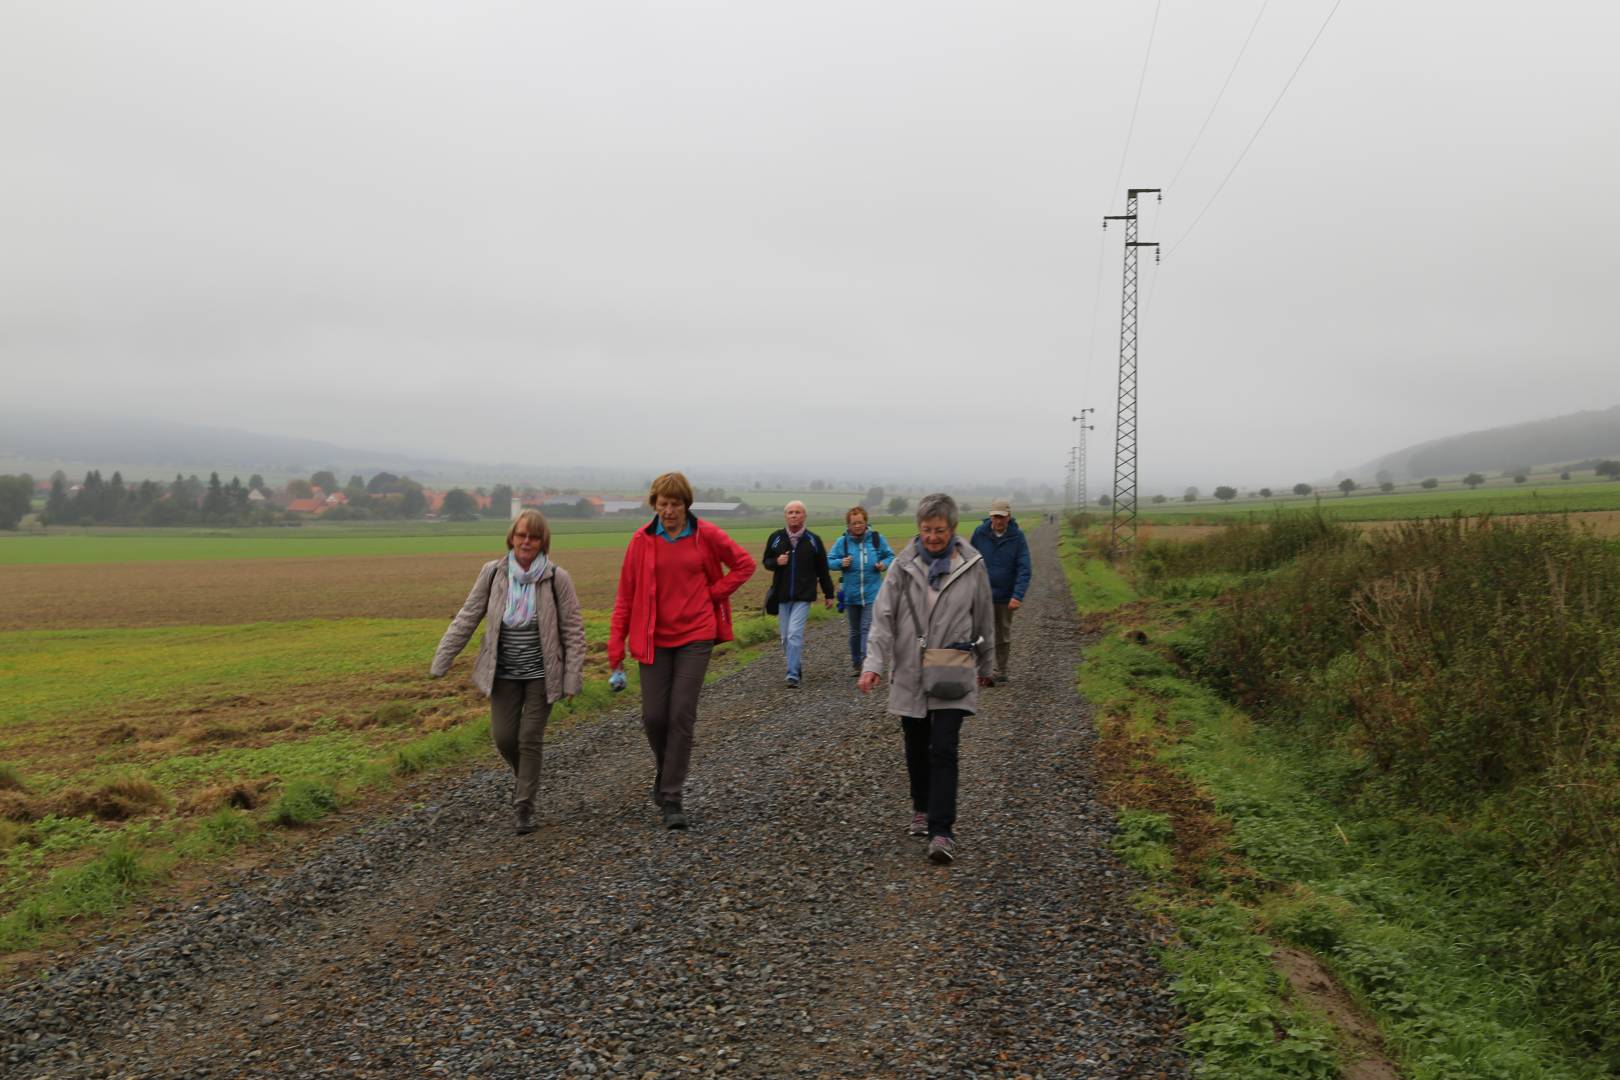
[(1554, 498)]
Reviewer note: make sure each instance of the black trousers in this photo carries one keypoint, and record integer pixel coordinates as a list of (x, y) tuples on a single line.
[(931, 745)]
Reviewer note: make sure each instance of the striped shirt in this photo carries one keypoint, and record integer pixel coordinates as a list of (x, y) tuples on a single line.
[(517, 653)]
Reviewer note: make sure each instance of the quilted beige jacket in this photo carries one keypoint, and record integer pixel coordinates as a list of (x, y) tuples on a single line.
[(960, 611), (562, 630)]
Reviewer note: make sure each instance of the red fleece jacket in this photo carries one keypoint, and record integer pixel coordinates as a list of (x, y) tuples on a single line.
[(637, 605)]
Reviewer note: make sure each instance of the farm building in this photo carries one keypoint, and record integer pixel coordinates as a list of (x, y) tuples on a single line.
[(717, 509)]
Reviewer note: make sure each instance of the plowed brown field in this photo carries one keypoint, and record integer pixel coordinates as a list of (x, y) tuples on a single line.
[(219, 592)]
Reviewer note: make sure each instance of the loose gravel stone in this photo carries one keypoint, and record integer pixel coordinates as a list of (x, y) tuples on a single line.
[(795, 930)]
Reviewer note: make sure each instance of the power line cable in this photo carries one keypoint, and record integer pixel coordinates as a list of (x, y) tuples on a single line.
[(1140, 82), (1219, 94), (1130, 130), (1280, 94)]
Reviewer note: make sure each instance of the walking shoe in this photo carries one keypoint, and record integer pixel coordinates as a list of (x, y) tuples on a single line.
[(793, 682), (525, 819), (918, 826), (941, 850), (673, 817), (999, 680)]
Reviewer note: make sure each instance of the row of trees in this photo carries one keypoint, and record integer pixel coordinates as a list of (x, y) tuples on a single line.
[(189, 500), (16, 497), (186, 500)]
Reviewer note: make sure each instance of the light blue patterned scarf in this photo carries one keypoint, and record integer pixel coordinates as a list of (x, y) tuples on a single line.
[(520, 590)]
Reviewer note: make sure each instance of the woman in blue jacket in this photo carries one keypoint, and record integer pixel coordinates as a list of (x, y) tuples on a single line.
[(862, 554)]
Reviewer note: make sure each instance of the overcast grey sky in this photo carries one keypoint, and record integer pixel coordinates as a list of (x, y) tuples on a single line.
[(690, 234)]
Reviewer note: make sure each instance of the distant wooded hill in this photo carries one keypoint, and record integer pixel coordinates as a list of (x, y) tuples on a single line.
[(1575, 437)]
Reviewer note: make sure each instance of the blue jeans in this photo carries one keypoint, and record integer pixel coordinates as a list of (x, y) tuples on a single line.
[(860, 625), (790, 619)]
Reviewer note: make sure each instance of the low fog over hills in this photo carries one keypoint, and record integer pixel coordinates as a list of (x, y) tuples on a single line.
[(1558, 440)]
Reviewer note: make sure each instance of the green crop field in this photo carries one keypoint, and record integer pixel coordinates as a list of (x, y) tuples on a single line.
[(1553, 498)]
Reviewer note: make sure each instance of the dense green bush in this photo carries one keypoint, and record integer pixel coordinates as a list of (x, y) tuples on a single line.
[(303, 801), (1473, 668)]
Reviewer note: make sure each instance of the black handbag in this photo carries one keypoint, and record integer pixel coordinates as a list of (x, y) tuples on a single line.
[(772, 605)]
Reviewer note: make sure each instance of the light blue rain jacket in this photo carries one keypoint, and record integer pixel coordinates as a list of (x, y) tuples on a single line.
[(862, 580)]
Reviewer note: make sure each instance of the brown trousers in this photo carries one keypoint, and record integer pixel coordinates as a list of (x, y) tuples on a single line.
[(518, 712), (1004, 618), (670, 686)]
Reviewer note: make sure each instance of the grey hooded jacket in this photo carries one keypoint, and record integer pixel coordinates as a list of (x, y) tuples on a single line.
[(961, 611), (562, 630)]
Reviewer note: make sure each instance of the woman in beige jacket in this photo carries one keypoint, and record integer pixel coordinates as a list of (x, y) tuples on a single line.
[(934, 630), (533, 652)]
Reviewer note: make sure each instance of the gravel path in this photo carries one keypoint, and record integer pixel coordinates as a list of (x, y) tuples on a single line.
[(794, 931)]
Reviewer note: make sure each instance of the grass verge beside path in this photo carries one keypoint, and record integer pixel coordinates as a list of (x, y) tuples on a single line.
[(124, 768), (1259, 870)]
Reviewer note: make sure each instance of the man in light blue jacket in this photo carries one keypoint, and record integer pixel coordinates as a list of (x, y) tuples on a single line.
[(862, 554)]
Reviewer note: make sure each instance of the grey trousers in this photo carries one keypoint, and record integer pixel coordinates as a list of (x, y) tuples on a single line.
[(670, 686), (1004, 618), (518, 712)]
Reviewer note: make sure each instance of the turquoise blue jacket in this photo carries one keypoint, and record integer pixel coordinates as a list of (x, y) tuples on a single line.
[(862, 580)]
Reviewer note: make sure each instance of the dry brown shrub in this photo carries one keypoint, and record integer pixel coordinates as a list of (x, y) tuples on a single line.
[(15, 806), (116, 733), (436, 722), (116, 800), (241, 794), (209, 731)]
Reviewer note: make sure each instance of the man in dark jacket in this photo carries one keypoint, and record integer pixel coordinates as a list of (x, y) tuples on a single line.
[(1006, 556), (797, 560)]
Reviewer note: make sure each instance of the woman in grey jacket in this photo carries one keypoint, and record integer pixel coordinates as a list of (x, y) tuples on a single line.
[(934, 630), (533, 652)]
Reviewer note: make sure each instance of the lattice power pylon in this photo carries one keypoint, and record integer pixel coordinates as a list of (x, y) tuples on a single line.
[(1080, 455), (1122, 526)]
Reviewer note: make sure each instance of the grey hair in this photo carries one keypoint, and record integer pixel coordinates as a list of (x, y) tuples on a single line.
[(937, 505), (791, 503)]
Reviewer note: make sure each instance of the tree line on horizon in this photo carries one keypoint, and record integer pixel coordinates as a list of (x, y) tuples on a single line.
[(190, 500)]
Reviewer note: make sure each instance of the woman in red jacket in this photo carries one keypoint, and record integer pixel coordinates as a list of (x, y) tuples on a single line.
[(673, 606)]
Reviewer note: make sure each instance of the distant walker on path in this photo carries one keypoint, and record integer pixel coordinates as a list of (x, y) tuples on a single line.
[(862, 554), (533, 652), (934, 630), (672, 607), (798, 559), (1006, 557)]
